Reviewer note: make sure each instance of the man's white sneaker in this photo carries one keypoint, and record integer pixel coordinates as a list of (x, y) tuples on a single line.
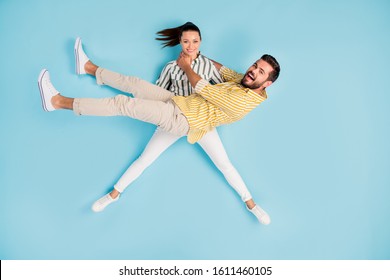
[(80, 56), (261, 215), (103, 202), (47, 90)]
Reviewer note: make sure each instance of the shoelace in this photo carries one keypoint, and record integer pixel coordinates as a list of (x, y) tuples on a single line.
[(53, 91)]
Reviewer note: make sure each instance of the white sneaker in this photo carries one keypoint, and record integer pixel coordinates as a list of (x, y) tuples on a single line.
[(261, 215), (103, 202), (47, 90), (80, 56)]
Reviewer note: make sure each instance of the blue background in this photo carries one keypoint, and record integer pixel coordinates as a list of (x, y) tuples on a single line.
[(315, 155)]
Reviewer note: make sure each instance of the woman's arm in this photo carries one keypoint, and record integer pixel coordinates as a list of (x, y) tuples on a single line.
[(184, 63), (217, 64), (216, 77), (226, 74)]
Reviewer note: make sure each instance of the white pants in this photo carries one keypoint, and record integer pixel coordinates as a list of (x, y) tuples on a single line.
[(210, 143)]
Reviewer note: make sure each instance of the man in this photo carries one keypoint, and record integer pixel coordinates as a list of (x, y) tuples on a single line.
[(211, 106), (193, 116)]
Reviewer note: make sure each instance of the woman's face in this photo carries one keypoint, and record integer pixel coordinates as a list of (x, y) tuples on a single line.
[(190, 43)]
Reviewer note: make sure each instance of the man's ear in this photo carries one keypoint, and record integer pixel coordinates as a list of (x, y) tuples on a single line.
[(267, 84)]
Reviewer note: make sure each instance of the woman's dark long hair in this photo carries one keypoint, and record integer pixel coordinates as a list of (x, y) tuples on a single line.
[(172, 36)]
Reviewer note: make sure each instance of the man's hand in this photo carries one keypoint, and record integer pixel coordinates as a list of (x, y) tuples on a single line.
[(184, 61)]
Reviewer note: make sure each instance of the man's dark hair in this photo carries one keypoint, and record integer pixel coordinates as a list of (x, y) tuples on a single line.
[(274, 64), (172, 36)]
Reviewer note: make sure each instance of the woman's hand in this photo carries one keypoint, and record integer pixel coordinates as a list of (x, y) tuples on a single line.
[(184, 61)]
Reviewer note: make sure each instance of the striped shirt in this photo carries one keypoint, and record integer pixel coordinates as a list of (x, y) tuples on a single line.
[(175, 80), (215, 105)]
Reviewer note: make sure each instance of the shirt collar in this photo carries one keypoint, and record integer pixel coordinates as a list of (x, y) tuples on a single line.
[(262, 95), (197, 58)]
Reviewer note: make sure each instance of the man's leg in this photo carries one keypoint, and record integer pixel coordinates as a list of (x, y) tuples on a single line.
[(139, 88), (164, 114), (160, 141), (212, 145), (128, 84)]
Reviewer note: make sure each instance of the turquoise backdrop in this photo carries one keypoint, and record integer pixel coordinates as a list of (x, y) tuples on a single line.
[(315, 155)]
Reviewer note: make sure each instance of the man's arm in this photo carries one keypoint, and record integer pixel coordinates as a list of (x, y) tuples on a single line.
[(232, 104)]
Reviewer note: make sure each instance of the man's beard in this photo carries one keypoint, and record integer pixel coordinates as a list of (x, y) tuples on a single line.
[(253, 86)]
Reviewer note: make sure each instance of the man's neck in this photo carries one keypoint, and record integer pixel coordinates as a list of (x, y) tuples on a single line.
[(260, 91)]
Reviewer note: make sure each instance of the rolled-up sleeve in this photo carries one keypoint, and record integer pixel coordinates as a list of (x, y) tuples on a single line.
[(200, 85)]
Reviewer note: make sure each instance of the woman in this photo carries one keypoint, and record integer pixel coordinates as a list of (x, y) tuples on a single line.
[(174, 79)]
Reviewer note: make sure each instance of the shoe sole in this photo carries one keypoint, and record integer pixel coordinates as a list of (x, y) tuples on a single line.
[(76, 44), (97, 208), (76, 54), (41, 89)]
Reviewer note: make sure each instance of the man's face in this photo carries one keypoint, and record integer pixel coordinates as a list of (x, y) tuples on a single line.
[(256, 76)]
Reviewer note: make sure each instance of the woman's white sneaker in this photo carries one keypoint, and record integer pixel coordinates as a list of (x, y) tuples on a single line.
[(80, 56), (47, 90), (103, 202), (261, 215)]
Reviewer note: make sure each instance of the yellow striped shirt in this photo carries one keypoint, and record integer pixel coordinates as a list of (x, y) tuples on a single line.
[(214, 105)]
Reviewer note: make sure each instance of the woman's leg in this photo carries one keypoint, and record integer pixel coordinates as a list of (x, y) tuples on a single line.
[(160, 141), (212, 145)]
